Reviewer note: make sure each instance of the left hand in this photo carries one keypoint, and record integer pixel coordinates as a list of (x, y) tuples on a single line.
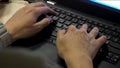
[(24, 23)]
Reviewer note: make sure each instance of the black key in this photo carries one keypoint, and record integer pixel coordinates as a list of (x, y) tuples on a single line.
[(73, 15), (89, 29), (52, 37), (50, 40), (113, 50), (101, 29), (78, 26), (62, 15), (106, 26), (108, 37), (110, 54), (100, 34), (58, 10), (61, 20), (90, 21), (119, 41), (115, 45), (68, 18), (52, 7), (89, 25), (67, 22), (101, 25), (115, 39), (57, 29), (65, 26), (107, 31), (55, 18), (92, 26), (63, 12), (81, 22), (68, 13), (112, 28), (74, 20), (115, 34), (54, 33), (79, 17), (95, 23), (54, 41), (84, 19), (114, 58), (118, 30), (59, 24)]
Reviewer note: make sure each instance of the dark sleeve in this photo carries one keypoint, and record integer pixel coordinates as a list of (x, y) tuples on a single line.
[(4, 0), (20, 59)]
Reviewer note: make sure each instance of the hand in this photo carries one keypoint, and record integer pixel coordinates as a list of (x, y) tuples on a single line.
[(24, 23), (77, 42)]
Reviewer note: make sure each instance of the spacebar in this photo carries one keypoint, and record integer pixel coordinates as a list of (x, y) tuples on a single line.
[(115, 45)]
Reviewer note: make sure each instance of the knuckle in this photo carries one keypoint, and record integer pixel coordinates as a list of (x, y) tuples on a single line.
[(42, 3), (30, 9), (82, 31)]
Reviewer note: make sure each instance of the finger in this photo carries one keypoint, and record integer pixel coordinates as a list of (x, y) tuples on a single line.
[(94, 32), (84, 27), (38, 4), (44, 11), (71, 28), (43, 23), (100, 41), (60, 33)]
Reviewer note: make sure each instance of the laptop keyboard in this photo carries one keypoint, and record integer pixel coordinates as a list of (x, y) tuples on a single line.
[(65, 18)]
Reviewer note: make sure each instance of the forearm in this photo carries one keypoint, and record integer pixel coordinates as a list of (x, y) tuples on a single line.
[(5, 38), (81, 61)]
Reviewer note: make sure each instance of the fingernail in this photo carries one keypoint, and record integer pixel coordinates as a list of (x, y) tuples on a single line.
[(96, 28), (57, 13), (49, 19)]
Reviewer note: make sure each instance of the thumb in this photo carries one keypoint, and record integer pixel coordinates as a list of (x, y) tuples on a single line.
[(43, 23)]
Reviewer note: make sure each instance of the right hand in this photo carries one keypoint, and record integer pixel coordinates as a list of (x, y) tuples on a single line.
[(24, 23), (75, 42)]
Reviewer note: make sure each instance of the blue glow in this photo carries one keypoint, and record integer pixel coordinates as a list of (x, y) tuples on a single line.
[(110, 3)]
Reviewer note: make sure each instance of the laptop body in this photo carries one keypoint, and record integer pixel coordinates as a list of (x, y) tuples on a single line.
[(88, 9)]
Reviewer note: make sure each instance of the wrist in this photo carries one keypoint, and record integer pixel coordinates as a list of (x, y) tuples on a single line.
[(5, 38), (75, 52), (11, 32), (77, 56), (80, 60)]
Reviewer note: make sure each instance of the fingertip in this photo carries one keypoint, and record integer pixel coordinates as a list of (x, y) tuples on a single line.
[(61, 32), (49, 19), (101, 40), (104, 37), (85, 24), (44, 22), (94, 32), (84, 27), (54, 12), (71, 27), (96, 29), (38, 4)]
